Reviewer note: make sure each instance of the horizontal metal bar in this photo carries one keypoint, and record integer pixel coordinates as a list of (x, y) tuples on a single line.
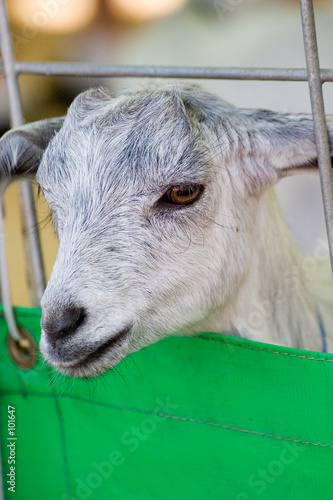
[(86, 69)]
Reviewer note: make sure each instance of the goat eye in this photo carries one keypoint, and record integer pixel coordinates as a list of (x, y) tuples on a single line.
[(183, 194)]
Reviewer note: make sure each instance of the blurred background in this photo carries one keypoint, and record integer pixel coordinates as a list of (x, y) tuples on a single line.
[(250, 33)]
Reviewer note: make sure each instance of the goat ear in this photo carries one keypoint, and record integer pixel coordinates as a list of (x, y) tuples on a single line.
[(280, 145), (22, 148)]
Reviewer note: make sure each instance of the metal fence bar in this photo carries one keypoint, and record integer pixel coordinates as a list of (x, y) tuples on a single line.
[(4, 279), (318, 111), (86, 69), (9, 70), (33, 255)]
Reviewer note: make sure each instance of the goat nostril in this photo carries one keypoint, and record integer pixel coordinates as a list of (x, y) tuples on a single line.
[(63, 324)]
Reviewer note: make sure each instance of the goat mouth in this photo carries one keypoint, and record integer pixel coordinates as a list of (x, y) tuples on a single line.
[(117, 340), (94, 356)]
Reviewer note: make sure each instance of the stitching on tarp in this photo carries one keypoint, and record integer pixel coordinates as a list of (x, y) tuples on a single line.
[(246, 430), (263, 350), (173, 417)]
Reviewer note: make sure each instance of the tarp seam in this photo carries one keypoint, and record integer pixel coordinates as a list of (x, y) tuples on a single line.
[(263, 350), (173, 417)]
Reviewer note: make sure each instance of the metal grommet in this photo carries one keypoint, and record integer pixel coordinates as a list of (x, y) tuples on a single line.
[(22, 352)]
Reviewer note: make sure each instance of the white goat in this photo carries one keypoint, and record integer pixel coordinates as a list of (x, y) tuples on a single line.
[(167, 223)]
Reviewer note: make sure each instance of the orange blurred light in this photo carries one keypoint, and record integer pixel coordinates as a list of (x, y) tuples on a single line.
[(52, 16), (143, 10)]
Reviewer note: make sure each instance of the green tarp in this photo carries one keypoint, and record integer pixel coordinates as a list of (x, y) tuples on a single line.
[(210, 417)]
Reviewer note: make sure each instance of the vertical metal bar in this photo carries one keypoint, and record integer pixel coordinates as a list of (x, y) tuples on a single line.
[(33, 255), (318, 112)]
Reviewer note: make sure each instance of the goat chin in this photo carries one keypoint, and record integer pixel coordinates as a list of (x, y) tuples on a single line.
[(168, 224)]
